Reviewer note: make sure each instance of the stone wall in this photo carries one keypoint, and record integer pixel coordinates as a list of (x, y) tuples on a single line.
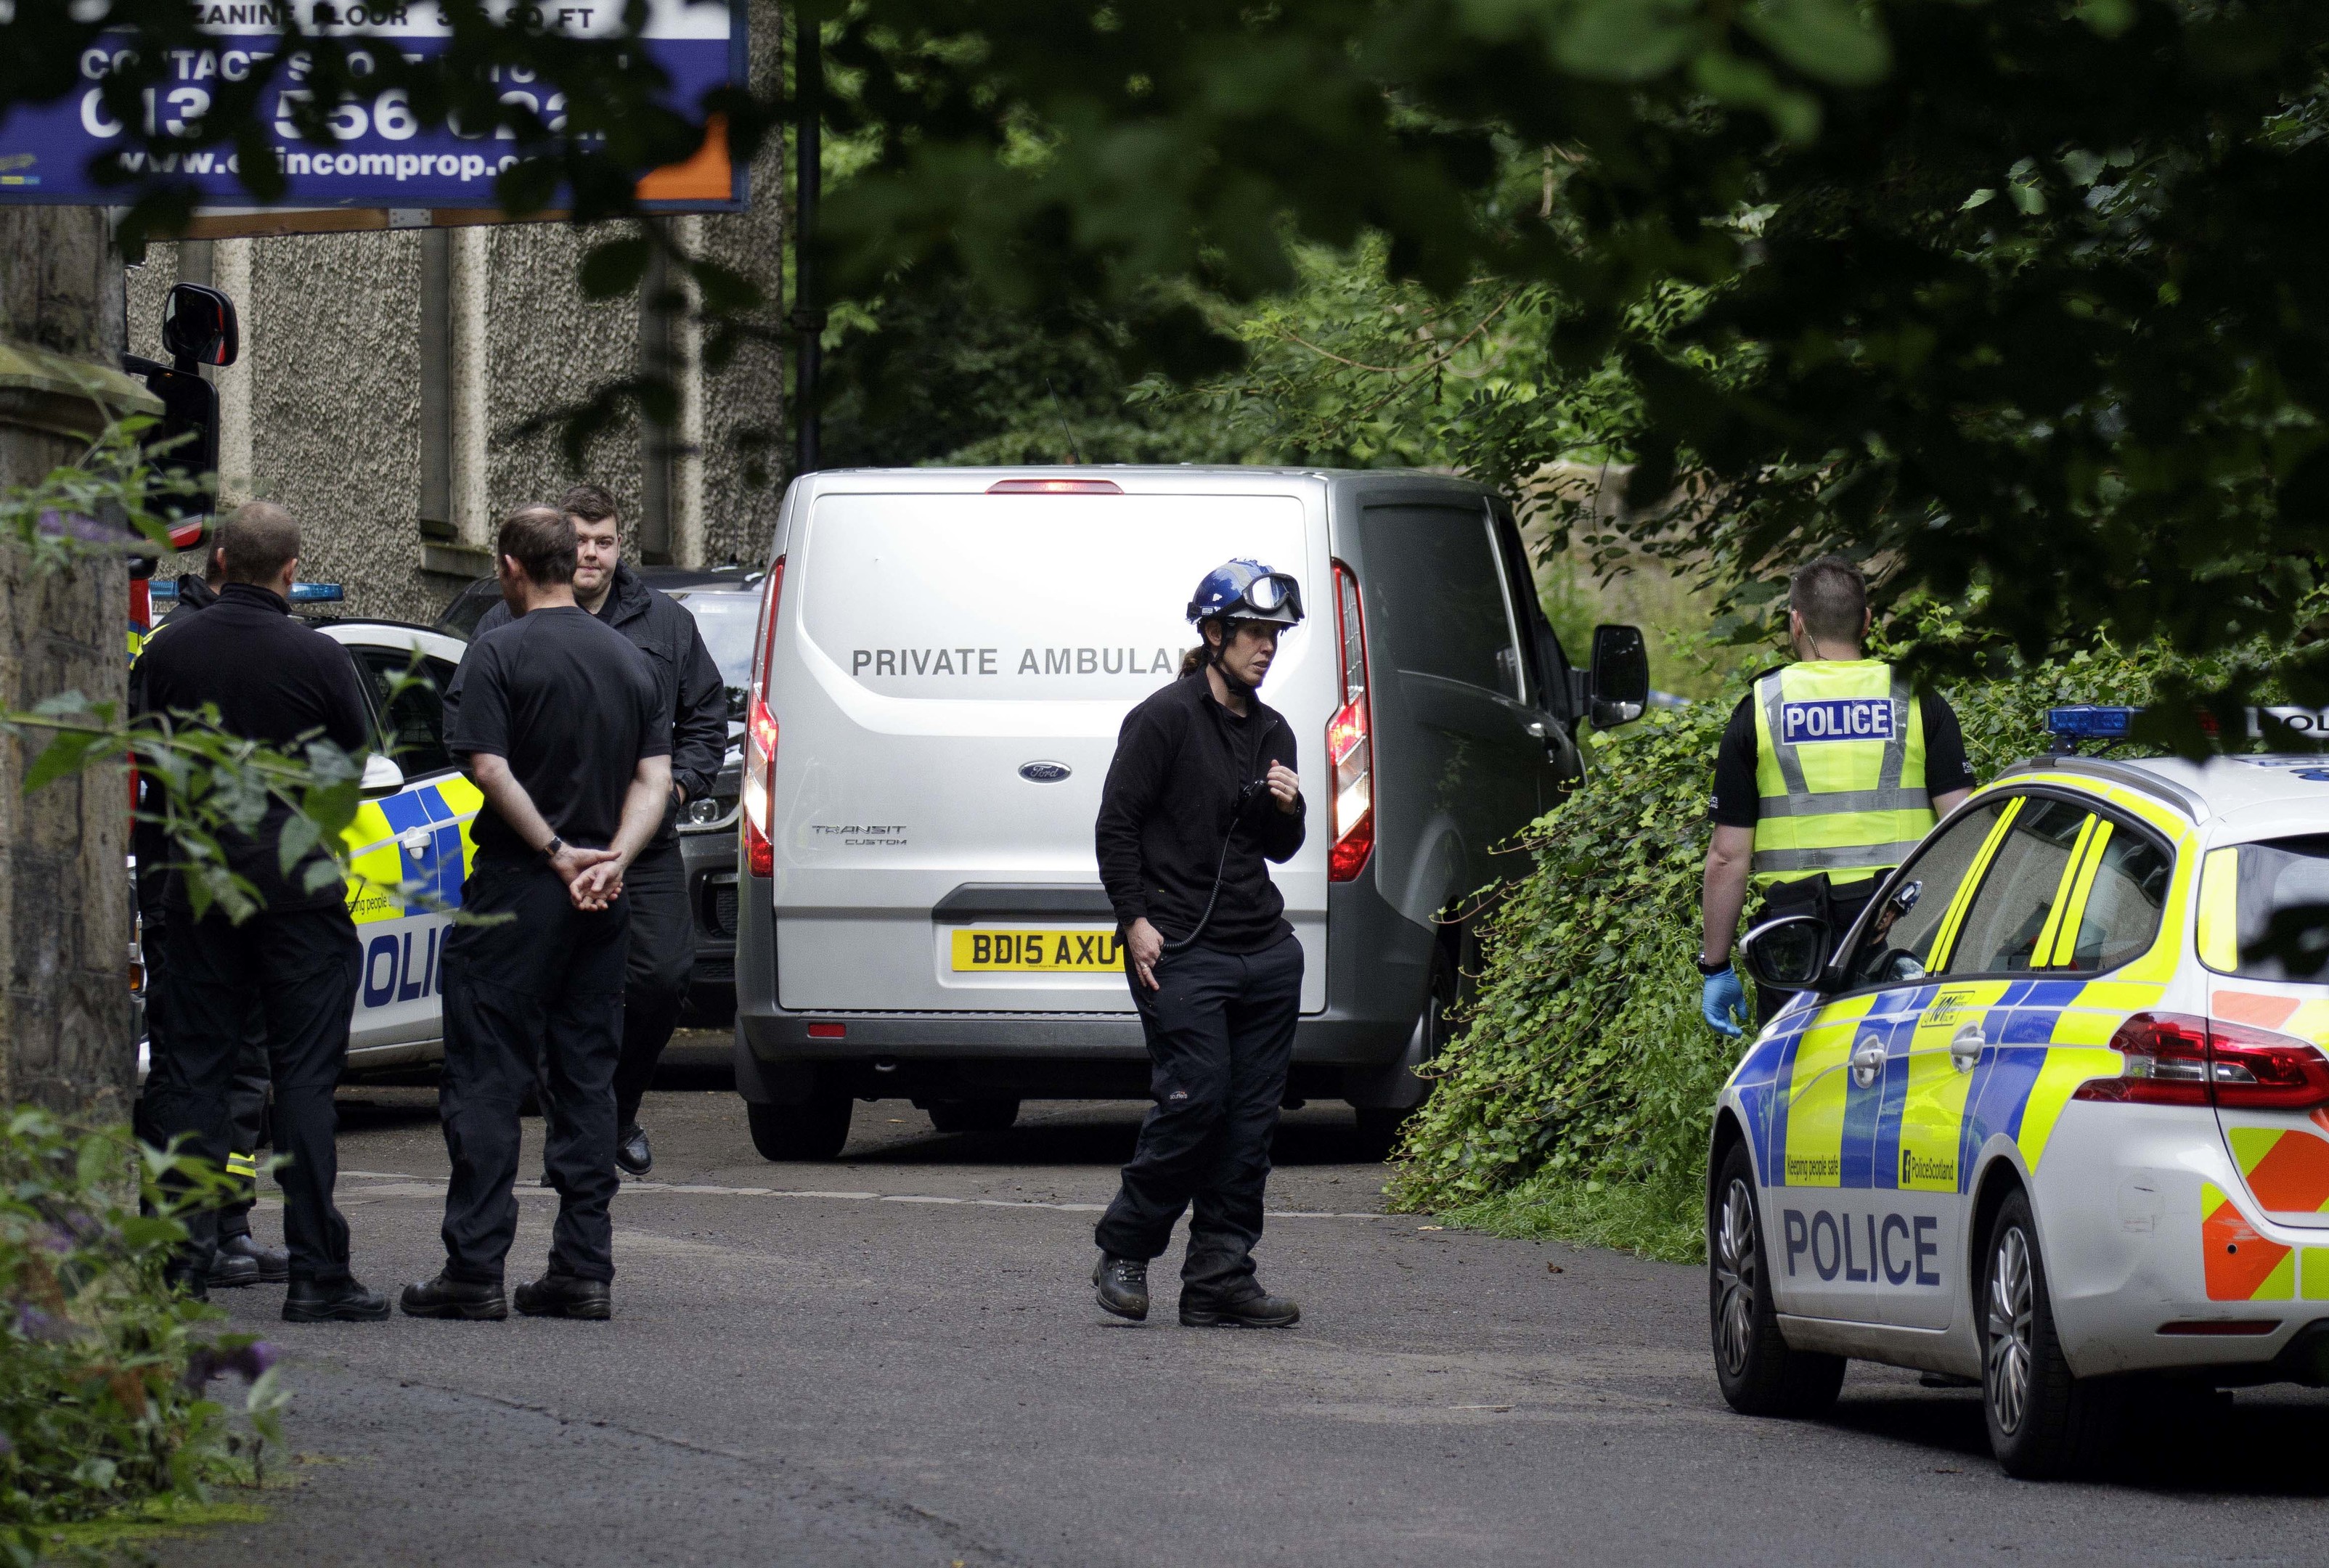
[(65, 1033)]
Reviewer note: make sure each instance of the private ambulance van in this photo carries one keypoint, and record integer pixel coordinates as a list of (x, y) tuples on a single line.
[(944, 660)]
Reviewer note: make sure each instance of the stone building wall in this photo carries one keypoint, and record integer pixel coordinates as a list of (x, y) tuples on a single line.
[(325, 414)]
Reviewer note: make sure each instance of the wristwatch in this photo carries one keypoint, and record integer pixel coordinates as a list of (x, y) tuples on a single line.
[(1710, 970), (550, 850)]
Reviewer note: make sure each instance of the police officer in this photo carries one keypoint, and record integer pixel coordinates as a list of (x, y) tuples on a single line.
[(692, 701), (241, 1259), (276, 681), (557, 717), (1202, 792), (1829, 773)]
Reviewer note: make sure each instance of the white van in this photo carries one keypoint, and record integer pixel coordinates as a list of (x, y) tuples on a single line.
[(944, 659)]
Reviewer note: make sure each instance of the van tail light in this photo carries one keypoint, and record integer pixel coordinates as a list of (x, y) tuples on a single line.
[(1349, 742), (761, 736), (1055, 488), (2175, 1059)]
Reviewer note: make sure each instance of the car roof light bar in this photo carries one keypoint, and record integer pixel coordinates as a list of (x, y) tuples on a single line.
[(1055, 488), (2092, 722)]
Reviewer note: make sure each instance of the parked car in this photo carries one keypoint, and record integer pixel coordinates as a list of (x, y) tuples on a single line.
[(944, 659), (2049, 1117), (725, 601)]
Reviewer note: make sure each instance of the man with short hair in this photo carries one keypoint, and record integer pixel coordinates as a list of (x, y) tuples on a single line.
[(241, 1259), (1829, 773), (275, 681), (556, 715), (692, 701)]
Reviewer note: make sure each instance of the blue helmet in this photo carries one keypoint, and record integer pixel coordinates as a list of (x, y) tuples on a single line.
[(1247, 590)]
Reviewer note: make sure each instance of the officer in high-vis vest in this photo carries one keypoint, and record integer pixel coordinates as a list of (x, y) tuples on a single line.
[(1830, 772)]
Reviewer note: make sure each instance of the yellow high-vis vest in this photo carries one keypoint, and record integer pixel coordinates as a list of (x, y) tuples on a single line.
[(1840, 772)]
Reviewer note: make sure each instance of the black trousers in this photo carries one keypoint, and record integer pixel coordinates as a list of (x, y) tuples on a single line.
[(544, 988), (1220, 1036), (654, 984), (246, 1098), (300, 968)]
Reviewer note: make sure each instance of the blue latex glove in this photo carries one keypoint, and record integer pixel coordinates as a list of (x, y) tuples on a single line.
[(1722, 1003)]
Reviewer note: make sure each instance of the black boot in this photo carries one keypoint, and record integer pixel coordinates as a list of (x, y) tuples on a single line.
[(556, 1295), (229, 1268), (347, 1301), (632, 1151), (1121, 1286), (445, 1297), (1256, 1308), (274, 1262)]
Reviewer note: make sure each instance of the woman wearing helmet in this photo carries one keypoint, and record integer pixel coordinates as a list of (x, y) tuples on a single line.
[(1202, 792)]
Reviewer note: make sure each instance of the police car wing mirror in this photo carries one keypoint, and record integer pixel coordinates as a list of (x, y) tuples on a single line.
[(199, 326), (1619, 676), (1787, 954), (381, 776)]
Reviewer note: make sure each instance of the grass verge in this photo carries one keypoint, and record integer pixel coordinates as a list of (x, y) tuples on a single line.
[(155, 1519), (1662, 1220)]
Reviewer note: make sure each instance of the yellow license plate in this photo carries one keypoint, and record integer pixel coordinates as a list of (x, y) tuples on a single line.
[(1024, 952)]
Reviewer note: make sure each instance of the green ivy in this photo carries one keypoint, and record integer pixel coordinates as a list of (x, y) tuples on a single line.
[(1576, 1098)]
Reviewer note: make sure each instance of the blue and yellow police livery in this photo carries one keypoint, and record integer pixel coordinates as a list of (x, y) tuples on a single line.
[(2053, 1115)]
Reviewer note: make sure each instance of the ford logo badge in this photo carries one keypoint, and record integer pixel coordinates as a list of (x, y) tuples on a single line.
[(1043, 772)]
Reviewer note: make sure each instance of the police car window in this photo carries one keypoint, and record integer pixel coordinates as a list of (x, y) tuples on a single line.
[(2274, 897), (412, 717), (1898, 946), (2121, 915), (2010, 912), (1448, 617)]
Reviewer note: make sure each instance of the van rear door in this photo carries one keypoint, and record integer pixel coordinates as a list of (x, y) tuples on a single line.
[(951, 669)]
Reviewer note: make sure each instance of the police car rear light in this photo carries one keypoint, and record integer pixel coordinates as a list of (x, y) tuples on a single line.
[(2175, 1059), (2222, 1326), (1350, 744), (1054, 487)]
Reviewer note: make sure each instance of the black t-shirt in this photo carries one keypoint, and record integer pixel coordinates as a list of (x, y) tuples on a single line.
[(570, 705), (273, 680), (1738, 802)]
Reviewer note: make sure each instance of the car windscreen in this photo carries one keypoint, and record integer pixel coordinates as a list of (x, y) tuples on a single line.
[(2264, 909), (1020, 598), (727, 620)]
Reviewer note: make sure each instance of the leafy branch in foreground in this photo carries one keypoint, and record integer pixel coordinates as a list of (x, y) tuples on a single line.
[(105, 1371)]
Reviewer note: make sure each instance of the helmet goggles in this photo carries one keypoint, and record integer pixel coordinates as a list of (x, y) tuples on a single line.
[(1247, 590)]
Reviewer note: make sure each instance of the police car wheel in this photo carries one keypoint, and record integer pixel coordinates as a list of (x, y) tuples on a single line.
[(814, 1130), (2043, 1421), (1759, 1375)]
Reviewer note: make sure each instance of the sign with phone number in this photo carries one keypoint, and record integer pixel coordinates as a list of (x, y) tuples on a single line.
[(379, 155)]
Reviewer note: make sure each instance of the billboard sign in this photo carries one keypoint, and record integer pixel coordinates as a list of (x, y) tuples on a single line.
[(379, 156)]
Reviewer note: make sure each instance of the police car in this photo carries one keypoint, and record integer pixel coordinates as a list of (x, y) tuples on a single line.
[(2053, 1115)]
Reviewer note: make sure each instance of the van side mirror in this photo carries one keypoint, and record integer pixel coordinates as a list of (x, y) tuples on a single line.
[(381, 776), (1620, 676), (1787, 954), (199, 326)]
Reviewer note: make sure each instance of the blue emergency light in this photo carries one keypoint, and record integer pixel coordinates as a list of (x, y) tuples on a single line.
[(2091, 722), (301, 592)]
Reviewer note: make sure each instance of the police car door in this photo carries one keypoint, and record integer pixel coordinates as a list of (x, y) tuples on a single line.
[(410, 850), (1859, 1208)]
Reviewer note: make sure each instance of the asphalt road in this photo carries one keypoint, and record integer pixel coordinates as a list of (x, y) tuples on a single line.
[(894, 1360)]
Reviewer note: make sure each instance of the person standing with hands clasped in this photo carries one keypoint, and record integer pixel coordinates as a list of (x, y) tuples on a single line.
[(1830, 771), (1202, 792), (556, 716)]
